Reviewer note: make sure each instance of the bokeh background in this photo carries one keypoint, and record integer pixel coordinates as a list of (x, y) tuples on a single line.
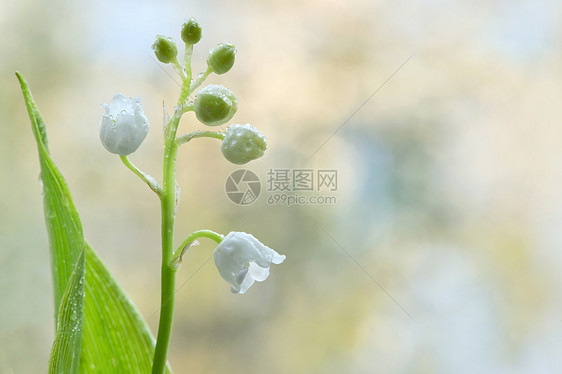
[(443, 119)]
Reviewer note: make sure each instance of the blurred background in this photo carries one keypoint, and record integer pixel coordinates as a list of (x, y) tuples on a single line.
[(440, 251)]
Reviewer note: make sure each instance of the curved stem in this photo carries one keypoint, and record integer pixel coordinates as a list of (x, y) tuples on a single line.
[(179, 68), (180, 251), (200, 79), (188, 107), (199, 134), (209, 234), (146, 178)]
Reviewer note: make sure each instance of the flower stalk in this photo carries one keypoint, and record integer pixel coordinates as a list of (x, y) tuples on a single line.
[(167, 207), (168, 211), (240, 258), (199, 134), (192, 240), (146, 178)]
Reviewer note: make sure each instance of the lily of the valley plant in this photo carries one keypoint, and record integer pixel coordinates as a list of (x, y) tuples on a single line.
[(241, 259)]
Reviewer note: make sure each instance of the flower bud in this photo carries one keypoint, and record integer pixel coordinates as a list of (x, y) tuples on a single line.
[(241, 260), (165, 49), (215, 105), (124, 126), (221, 58), (191, 31), (243, 143)]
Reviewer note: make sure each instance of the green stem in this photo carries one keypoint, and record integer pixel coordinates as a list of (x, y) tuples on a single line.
[(186, 86), (168, 201), (178, 68), (200, 79), (146, 178), (188, 107), (180, 251), (188, 54), (168, 209), (199, 134)]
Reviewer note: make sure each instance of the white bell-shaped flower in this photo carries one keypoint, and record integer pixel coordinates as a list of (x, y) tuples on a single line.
[(242, 260), (123, 126)]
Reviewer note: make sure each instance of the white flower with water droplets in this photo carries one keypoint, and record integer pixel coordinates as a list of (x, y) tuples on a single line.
[(241, 260), (123, 126)]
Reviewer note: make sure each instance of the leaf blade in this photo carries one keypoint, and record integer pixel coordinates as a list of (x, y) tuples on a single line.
[(84, 286), (111, 317), (65, 356), (64, 228), (66, 247)]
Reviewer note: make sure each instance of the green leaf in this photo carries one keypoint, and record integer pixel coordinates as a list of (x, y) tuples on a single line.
[(98, 328), (65, 356), (116, 339), (67, 250), (63, 223)]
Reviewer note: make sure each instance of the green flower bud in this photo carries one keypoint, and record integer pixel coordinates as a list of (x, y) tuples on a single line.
[(191, 31), (243, 143), (221, 58), (215, 105), (165, 49)]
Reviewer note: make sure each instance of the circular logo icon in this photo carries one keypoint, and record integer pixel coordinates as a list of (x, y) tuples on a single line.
[(242, 187)]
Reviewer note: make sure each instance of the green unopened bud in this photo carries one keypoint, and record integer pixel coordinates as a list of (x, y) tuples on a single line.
[(191, 31), (243, 143), (165, 49), (215, 105), (221, 58)]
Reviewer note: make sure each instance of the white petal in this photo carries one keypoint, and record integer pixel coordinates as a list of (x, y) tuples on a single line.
[(239, 278), (257, 272), (119, 104), (277, 258), (228, 268), (246, 284)]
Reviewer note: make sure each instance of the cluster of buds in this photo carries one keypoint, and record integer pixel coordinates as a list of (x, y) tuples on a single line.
[(124, 127)]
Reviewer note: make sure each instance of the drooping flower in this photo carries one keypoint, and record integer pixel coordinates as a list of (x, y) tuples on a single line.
[(243, 143), (242, 259), (123, 126)]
